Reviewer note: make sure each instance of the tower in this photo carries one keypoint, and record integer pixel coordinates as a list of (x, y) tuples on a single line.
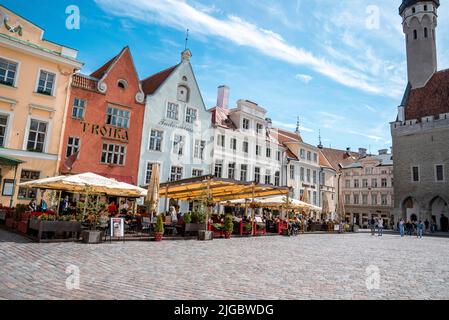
[(419, 24)]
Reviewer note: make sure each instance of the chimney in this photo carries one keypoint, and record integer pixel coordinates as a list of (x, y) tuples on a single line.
[(223, 97), (383, 152), (362, 152)]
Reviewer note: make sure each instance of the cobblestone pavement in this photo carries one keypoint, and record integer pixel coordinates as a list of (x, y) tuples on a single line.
[(304, 267)]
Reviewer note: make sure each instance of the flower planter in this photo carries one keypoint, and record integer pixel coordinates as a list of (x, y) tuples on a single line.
[(92, 236), (158, 236), (195, 227), (54, 226), (9, 223), (204, 235), (227, 234)]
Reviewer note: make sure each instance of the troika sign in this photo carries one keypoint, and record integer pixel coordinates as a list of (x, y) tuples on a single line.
[(105, 131)]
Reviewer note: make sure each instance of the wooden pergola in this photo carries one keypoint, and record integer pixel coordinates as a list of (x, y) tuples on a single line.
[(217, 189)]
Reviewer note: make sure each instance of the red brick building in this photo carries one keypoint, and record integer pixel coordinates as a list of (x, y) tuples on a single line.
[(104, 122)]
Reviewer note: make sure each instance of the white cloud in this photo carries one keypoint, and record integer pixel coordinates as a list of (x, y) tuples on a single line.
[(304, 77), (179, 14), (369, 108), (290, 126)]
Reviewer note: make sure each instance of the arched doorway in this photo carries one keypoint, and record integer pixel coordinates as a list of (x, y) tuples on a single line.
[(439, 212), (410, 209)]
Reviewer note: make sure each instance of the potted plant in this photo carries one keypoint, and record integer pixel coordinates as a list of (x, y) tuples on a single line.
[(159, 229), (92, 210), (228, 226)]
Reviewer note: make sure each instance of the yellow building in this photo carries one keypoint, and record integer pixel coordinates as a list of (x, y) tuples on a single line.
[(35, 77)]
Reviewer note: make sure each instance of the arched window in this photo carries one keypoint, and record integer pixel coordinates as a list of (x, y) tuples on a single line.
[(183, 93), (122, 84), (415, 34), (184, 78), (426, 33)]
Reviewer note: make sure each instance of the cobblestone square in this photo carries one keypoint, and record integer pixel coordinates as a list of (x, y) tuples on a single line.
[(310, 266)]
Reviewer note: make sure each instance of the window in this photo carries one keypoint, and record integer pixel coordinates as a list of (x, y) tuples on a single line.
[(231, 171), (302, 154), (221, 140), (197, 173), (356, 183), (245, 124), (149, 172), (415, 34), (425, 7), (113, 154), (199, 149), (309, 155), (356, 199), (314, 177), (3, 126), (315, 198), (233, 144), (369, 170), (36, 135), (348, 184), (118, 117), (73, 145), (183, 94), (277, 178), (426, 33), (172, 111), (156, 140), (439, 173), (364, 183), (308, 176), (384, 183), (259, 128), (245, 147), (347, 199), (278, 156), (374, 199), (415, 174), (25, 176), (292, 171), (79, 107), (268, 176), (315, 157), (384, 200), (258, 150), (122, 84), (176, 173), (218, 169), (364, 199), (178, 145), (243, 172), (257, 174), (413, 10), (301, 174), (373, 183), (268, 153), (191, 115), (8, 71), (46, 83)]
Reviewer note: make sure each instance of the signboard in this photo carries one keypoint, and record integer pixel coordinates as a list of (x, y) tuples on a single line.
[(336, 227), (105, 131), (117, 227)]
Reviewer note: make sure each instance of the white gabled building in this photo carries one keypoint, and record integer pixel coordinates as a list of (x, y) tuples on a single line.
[(177, 132), (245, 144)]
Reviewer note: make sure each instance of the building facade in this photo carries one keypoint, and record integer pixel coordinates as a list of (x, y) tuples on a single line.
[(328, 188), (421, 130), (104, 122), (35, 78), (246, 147), (177, 132), (367, 189)]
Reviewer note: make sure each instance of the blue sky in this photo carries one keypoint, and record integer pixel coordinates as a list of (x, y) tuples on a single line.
[(339, 65)]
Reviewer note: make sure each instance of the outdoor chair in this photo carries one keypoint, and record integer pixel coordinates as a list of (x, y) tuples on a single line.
[(146, 225), (260, 228)]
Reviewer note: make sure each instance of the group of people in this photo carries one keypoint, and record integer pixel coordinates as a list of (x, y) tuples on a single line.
[(377, 224), (414, 227)]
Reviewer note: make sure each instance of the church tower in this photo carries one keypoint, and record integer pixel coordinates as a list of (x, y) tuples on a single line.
[(419, 24)]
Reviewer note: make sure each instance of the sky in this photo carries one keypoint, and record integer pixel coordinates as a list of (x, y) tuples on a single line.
[(340, 66)]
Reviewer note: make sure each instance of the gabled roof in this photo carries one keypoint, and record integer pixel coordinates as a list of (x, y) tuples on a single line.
[(384, 160), (430, 100), (100, 72), (152, 83), (220, 117), (324, 163), (339, 158), (288, 136)]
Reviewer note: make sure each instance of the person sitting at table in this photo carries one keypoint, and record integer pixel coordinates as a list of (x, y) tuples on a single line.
[(112, 209), (32, 205), (173, 215), (124, 207)]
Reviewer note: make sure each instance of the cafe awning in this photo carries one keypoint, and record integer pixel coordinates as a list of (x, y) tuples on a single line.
[(273, 201), (10, 162), (95, 184), (219, 189)]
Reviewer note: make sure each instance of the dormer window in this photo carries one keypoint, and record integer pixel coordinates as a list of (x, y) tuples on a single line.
[(122, 84), (183, 93)]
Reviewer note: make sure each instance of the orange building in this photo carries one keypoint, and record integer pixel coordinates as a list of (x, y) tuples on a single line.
[(104, 121)]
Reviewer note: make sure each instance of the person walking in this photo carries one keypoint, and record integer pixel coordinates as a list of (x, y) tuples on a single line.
[(420, 229), (401, 227), (372, 226), (380, 227)]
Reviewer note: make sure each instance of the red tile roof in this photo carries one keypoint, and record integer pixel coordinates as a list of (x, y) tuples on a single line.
[(323, 161), (431, 100), (152, 83), (99, 73), (288, 136), (337, 157), (220, 117)]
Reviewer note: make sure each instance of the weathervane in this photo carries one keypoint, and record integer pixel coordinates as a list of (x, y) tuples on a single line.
[(187, 39)]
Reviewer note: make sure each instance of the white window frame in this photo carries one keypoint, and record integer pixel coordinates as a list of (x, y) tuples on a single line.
[(16, 79), (108, 143), (177, 111), (178, 146), (162, 140), (79, 146), (436, 177), (85, 107), (243, 124), (147, 170), (171, 172), (257, 128), (198, 152), (221, 140), (247, 147), (233, 145), (198, 170), (187, 115), (117, 116), (9, 121), (27, 132), (246, 172), (55, 84)]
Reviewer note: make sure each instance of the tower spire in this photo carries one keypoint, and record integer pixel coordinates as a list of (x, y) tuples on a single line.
[(320, 145), (187, 39), (297, 127)]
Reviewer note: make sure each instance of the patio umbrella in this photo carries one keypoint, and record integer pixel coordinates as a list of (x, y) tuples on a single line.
[(153, 189)]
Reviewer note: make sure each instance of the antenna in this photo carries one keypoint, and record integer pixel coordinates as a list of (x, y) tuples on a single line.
[(319, 138), (187, 39), (297, 126)]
